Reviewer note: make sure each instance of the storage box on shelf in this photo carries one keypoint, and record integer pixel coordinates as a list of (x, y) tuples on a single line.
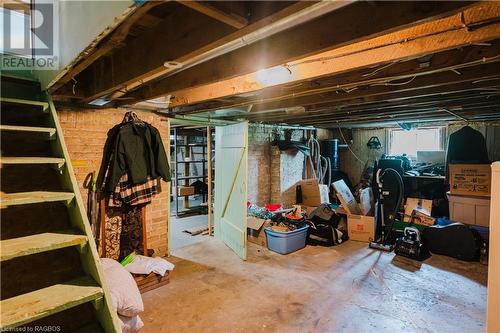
[(470, 179)]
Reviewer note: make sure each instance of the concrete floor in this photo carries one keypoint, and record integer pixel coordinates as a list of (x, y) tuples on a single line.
[(347, 288), (179, 238)]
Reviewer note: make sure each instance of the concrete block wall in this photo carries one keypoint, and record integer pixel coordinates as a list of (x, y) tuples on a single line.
[(85, 132)]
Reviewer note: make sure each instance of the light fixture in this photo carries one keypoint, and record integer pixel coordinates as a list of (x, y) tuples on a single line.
[(273, 76), (172, 65)]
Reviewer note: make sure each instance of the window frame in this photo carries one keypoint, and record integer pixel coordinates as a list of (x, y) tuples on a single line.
[(442, 138)]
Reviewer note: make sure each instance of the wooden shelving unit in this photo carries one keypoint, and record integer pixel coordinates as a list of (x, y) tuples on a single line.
[(187, 142)]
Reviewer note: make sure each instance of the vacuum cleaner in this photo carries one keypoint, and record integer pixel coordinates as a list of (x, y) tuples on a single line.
[(389, 191), (411, 246)]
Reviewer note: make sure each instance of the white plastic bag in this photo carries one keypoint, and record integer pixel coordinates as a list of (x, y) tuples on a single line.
[(146, 265)]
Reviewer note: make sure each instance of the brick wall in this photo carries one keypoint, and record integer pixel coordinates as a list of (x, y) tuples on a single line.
[(269, 170), (85, 132)]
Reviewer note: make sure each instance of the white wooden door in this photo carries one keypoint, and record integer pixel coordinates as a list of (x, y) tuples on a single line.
[(230, 212)]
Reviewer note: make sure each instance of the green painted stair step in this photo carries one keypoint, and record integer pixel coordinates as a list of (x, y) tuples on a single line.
[(24, 198), (48, 241), (43, 105), (33, 160), (50, 131), (44, 302)]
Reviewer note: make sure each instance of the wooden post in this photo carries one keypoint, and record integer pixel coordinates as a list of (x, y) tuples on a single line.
[(144, 231), (209, 174), (102, 236)]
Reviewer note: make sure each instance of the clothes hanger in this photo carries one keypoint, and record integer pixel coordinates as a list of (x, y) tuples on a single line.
[(131, 116)]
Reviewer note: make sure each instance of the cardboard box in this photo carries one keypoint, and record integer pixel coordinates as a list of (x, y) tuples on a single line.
[(185, 190), (421, 216), (361, 228), (255, 230), (313, 194), (366, 201), (346, 198), (470, 179), (469, 209), (423, 206)]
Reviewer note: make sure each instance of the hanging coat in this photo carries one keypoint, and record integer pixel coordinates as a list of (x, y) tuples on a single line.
[(138, 150)]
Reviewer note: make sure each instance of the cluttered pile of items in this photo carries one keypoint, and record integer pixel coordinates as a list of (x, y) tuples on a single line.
[(383, 214), (415, 233), (288, 227)]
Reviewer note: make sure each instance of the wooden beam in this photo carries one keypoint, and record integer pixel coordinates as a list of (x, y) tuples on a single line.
[(387, 94), (415, 114), (233, 20), (419, 40), (363, 82), (473, 114), (350, 112), (139, 63), (431, 104), (356, 22)]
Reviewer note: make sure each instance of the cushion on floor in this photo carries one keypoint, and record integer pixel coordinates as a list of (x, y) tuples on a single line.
[(125, 294)]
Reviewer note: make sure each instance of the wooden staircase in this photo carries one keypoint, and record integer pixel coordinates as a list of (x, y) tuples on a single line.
[(50, 268)]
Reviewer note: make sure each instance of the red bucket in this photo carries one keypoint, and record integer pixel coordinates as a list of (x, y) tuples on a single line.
[(273, 207)]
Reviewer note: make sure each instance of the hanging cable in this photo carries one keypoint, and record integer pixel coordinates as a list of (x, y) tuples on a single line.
[(348, 146), (320, 165)]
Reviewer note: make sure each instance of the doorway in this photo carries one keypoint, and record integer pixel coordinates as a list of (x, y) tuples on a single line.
[(191, 156)]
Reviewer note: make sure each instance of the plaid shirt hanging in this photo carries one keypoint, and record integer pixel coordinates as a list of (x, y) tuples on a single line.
[(133, 195)]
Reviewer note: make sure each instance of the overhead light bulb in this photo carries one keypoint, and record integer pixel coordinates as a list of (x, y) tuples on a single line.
[(273, 76), (172, 64)]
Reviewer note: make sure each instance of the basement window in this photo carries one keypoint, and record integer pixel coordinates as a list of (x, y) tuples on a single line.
[(421, 139)]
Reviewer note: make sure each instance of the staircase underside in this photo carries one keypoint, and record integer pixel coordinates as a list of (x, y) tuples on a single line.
[(50, 269)]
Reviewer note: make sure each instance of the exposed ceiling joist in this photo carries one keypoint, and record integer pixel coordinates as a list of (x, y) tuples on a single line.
[(345, 26), (232, 19), (476, 24), (474, 114), (405, 96), (449, 65), (136, 67), (458, 101)]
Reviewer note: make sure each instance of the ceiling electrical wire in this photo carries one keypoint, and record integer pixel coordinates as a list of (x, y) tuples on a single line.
[(379, 69), (394, 84), (348, 146)]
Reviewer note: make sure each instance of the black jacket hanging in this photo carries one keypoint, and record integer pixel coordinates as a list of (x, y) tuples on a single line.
[(467, 146), (137, 149)]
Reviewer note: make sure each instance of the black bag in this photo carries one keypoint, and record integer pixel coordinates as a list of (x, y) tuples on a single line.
[(456, 240), (325, 228)]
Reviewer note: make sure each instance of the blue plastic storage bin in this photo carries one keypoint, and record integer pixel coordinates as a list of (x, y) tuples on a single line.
[(286, 242)]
